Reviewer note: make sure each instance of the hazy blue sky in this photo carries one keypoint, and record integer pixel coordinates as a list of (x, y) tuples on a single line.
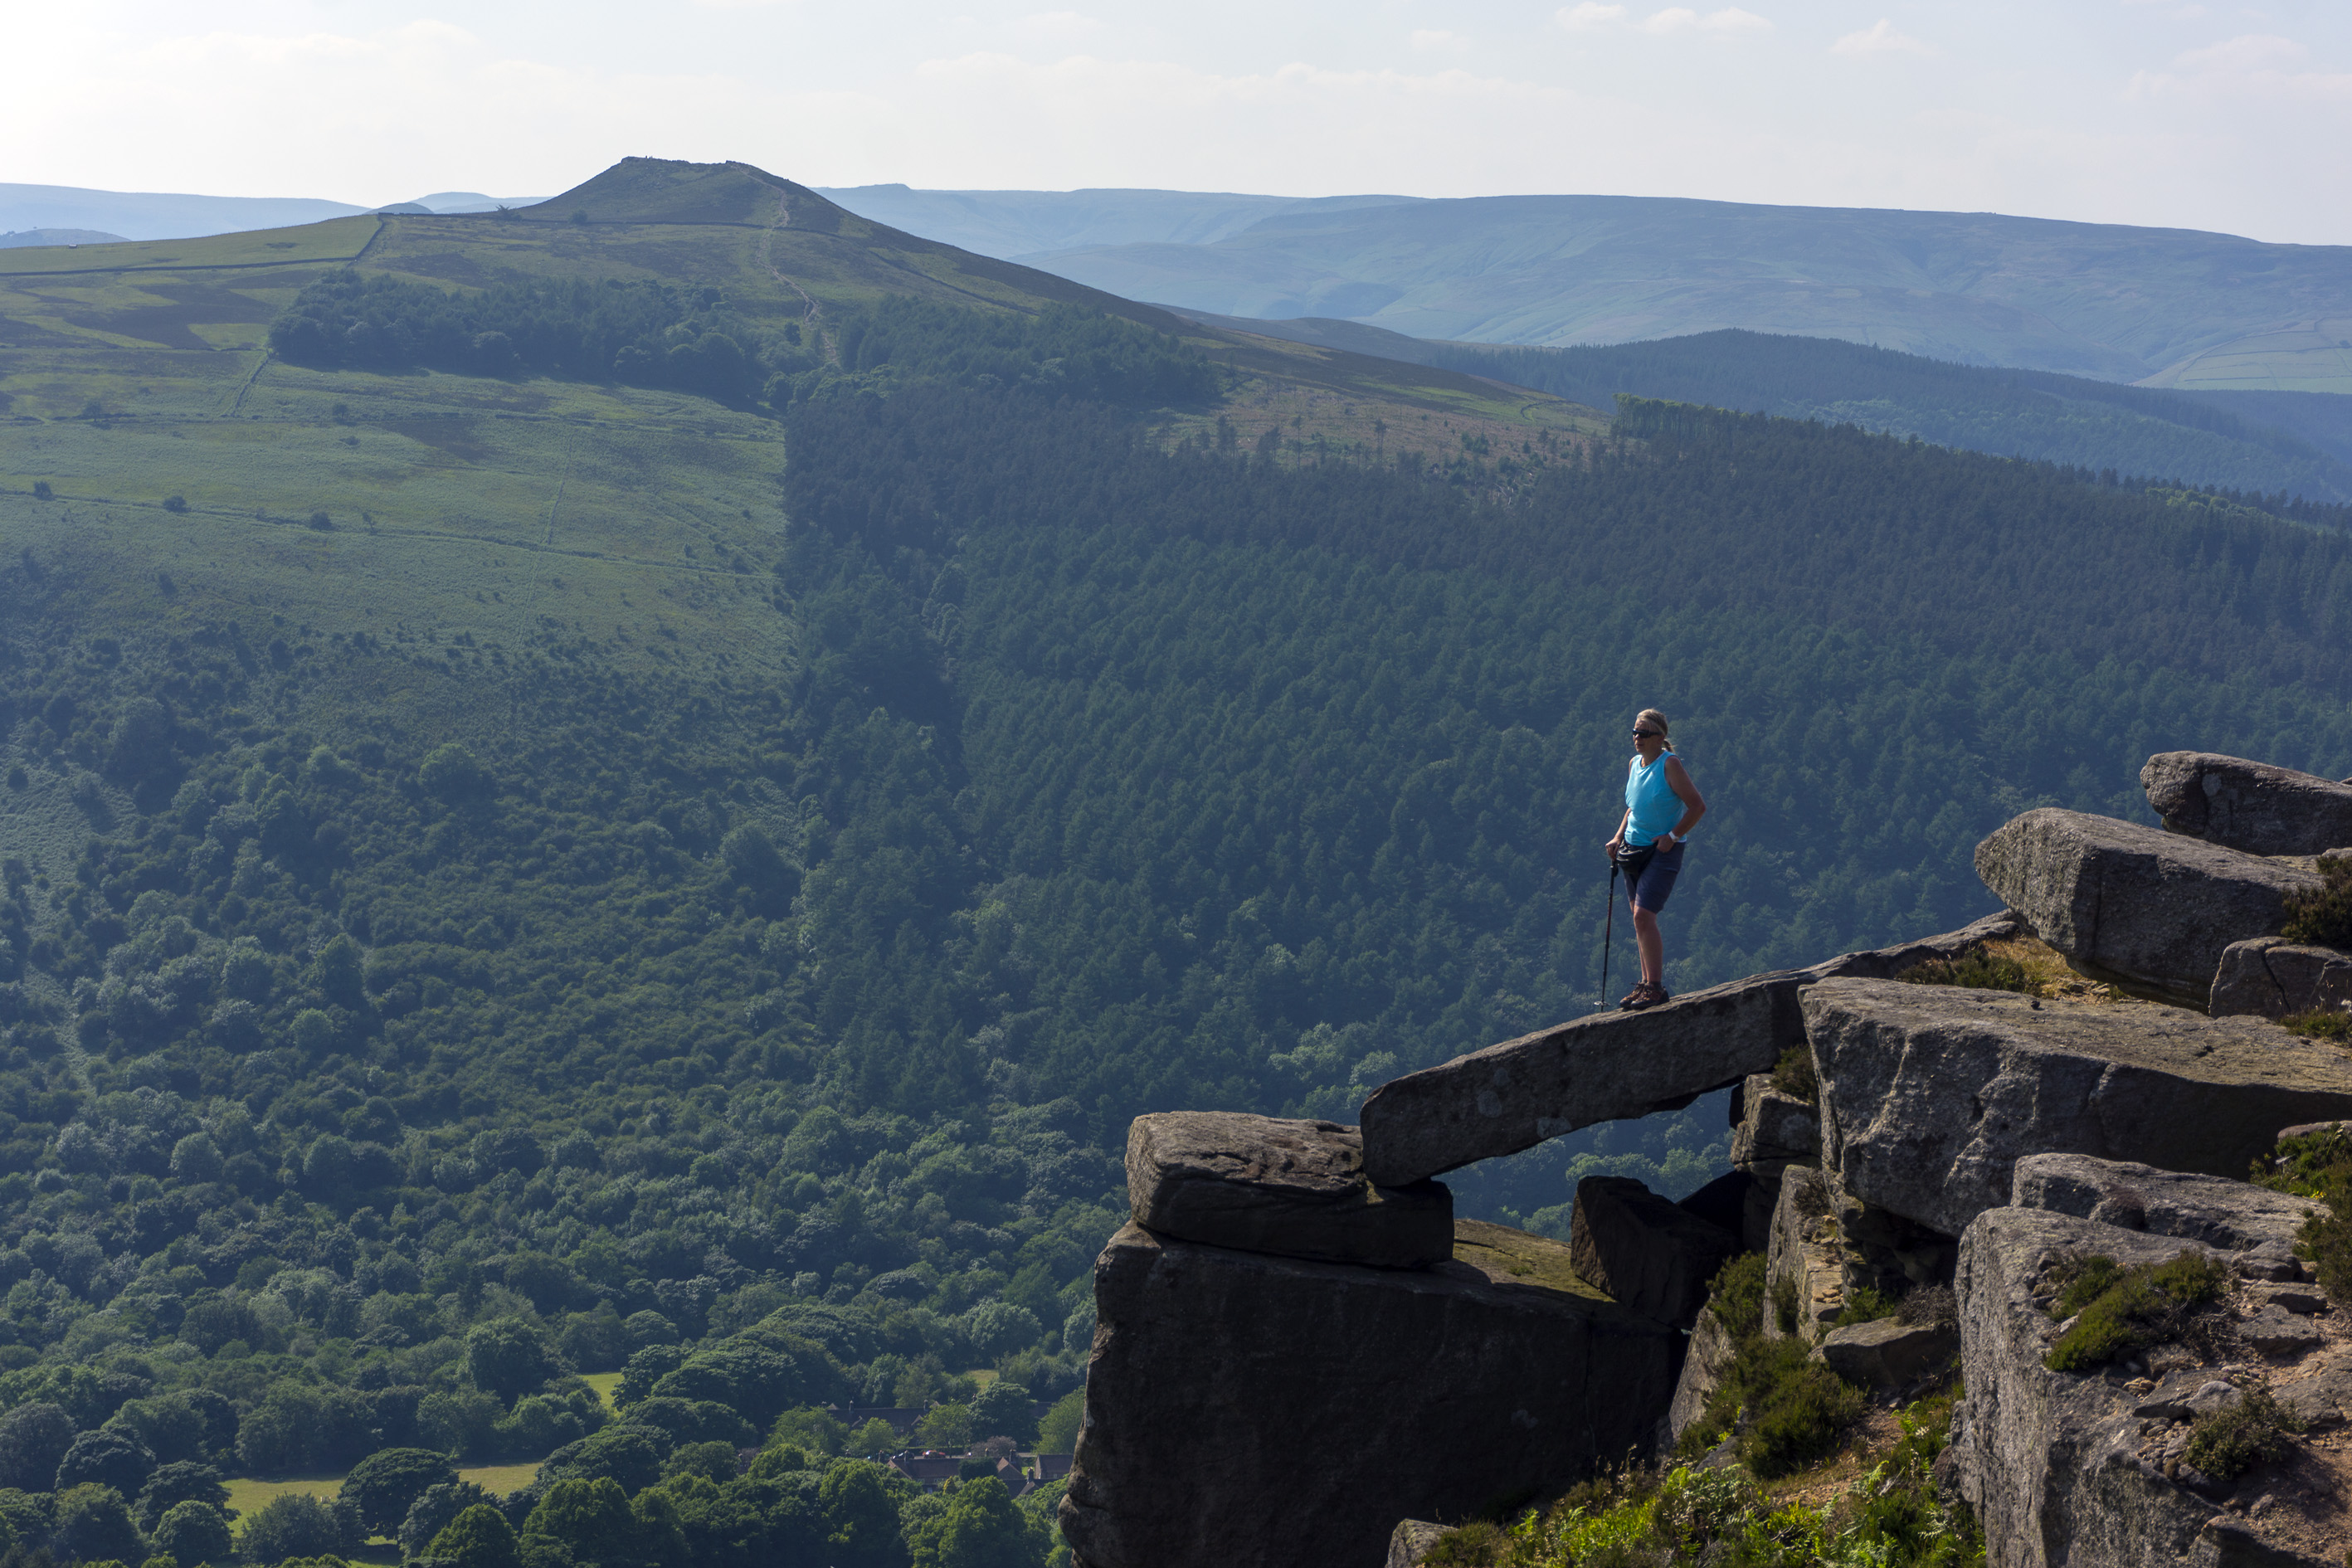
[(2212, 115)]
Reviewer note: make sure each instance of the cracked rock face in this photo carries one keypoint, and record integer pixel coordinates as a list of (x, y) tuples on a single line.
[(1931, 1094), (1265, 1184), (1803, 1251), (1773, 1130), (1705, 1366), (2148, 911), (2252, 807), (2053, 1463), (2271, 977), (1287, 1413), (1609, 1066), (2089, 1469)]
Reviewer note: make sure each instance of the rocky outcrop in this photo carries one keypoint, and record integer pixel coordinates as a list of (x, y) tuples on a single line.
[(2090, 1469), (1294, 1350), (2272, 977), (1274, 1411), (2051, 1459), (1931, 1094), (2252, 1224), (1646, 1253), (1609, 1066), (2252, 807), (2147, 910), (1266, 1184)]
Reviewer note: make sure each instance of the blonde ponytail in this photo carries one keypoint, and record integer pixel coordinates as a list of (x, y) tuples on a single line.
[(1656, 721)]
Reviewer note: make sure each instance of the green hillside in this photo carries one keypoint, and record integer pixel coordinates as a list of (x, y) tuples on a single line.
[(2105, 301), (2231, 441), (507, 877)]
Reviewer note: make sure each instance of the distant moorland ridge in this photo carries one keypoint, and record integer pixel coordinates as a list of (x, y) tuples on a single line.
[(2174, 307)]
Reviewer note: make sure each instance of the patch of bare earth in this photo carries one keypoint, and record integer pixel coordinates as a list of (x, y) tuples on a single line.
[(1868, 1442)]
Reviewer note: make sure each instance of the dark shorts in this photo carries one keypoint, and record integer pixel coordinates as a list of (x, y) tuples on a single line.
[(1649, 890)]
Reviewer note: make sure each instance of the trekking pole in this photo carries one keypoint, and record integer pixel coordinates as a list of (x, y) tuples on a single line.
[(1608, 930)]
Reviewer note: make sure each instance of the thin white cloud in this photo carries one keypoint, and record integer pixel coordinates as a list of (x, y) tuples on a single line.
[(1880, 39), (1058, 26), (1592, 17), (2261, 67), (1682, 19), (1431, 40)]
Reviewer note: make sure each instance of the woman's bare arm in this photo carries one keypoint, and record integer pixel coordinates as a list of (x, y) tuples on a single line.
[(1678, 780)]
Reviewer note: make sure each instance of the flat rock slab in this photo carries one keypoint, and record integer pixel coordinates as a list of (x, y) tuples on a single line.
[(1285, 1414), (2254, 1225), (1887, 1355), (2052, 1460), (1609, 1066), (1265, 1184), (2148, 911), (2274, 1330), (2252, 807), (2271, 977), (2322, 1395), (1644, 1251), (1931, 1094)]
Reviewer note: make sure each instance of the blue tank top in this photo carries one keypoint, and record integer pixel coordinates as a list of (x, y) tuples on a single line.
[(1654, 806)]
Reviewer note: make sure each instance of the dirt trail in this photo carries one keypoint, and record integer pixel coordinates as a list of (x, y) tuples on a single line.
[(815, 316)]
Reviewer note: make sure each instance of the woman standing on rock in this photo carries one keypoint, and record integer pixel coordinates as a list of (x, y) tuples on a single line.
[(1662, 805)]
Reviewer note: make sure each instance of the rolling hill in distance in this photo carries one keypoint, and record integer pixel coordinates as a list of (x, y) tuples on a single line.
[(2167, 307), (644, 786), (132, 214), (2181, 308), (1015, 225), (2284, 444)]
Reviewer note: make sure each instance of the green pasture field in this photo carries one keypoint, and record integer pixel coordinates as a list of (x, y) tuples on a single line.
[(248, 1494), (337, 239), (456, 507), (500, 1479), (2308, 356)]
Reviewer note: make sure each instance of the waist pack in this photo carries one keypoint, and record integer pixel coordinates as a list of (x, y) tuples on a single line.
[(1633, 861)]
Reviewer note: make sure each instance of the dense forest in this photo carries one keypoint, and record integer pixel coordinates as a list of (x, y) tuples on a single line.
[(648, 333), (370, 1081)]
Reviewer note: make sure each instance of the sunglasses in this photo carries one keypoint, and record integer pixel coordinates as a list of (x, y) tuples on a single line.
[(1644, 734)]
